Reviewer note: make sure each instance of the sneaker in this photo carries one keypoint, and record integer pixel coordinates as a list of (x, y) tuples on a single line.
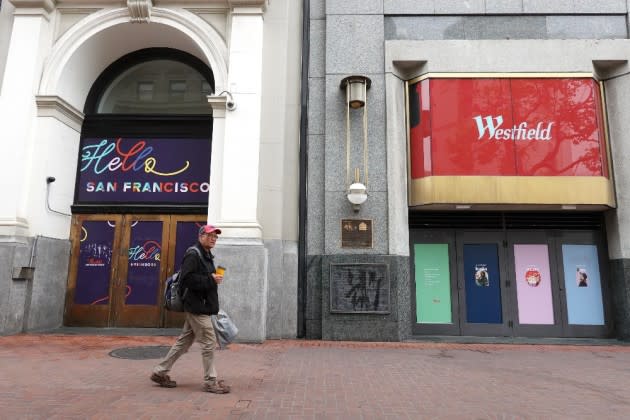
[(163, 380), (216, 387)]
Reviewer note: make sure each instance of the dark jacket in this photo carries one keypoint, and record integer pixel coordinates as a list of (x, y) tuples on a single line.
[(198, 288)]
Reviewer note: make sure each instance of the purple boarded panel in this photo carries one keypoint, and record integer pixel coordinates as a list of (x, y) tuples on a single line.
[(143, 271), (186, 236), (95, 263)]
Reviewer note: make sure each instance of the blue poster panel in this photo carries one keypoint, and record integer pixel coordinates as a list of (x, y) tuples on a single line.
[(582, 284), (185, 236), (143, 270), (95, 263), (124, 170), (482, 284)]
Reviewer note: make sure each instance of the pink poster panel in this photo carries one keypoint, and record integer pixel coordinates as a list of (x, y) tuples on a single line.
[(533, 284)]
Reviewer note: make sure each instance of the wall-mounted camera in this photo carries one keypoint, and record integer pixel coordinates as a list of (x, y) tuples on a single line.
[(230, 104)]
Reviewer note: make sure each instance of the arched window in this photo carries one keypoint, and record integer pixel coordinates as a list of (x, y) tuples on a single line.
[(158, 81), (157, 87)]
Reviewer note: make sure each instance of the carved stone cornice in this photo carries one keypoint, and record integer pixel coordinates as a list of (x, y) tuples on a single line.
[(55, 107), (140, 10), (47, 5), (246, 3)]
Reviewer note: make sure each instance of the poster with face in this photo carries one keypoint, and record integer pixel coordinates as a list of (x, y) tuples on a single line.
[(481, 275), (532, 276), (581, 277), (583, 285), (533, 287)]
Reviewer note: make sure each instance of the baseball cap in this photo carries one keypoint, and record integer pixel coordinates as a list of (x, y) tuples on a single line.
[(209, 229)]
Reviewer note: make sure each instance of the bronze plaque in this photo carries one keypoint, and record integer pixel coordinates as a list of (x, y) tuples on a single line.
[(356, 233), (359, 288)]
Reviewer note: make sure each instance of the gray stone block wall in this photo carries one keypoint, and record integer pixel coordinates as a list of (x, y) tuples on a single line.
[(458, 7), (313, 310), (505, 27), (13, 293), (282, 289), (52, 258), (244, 292), (36, 302), (349, 37), (365, 326), (620, 285)]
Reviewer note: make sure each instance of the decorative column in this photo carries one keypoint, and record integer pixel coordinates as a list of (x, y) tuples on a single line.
[(30, 38), (234, 179), (234, 201)]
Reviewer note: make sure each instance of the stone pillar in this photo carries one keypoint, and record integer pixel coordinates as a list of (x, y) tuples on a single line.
[(618, 220), (30, 40), (238, 172), (234, 179)]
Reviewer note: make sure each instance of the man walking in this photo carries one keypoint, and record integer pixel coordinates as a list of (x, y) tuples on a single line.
[(198, 289)]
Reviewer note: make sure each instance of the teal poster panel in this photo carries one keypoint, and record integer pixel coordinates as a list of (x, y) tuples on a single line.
[(582, 284), (433, 284)]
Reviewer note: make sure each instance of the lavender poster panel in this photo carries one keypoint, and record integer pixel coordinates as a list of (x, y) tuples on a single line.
[(533, 284), (143, 273), (124, 170), (95, 263)]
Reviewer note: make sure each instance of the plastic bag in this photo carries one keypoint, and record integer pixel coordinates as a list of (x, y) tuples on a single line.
[(224, 329)]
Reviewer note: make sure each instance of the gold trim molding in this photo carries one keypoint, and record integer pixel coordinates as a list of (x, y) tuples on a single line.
[(511, 190), (501, 75)]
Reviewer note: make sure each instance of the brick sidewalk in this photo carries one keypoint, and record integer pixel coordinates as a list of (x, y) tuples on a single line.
[(74, 377)]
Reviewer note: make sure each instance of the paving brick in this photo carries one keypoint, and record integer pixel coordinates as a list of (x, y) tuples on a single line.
[(73, 377)]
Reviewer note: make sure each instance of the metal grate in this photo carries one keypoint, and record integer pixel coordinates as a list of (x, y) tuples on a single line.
[(505, 220), (140, 353)]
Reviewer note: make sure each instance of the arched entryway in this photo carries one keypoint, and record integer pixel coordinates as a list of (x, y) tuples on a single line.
[(142, 186)]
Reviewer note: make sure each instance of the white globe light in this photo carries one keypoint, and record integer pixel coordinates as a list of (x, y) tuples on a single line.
[(357, 194)]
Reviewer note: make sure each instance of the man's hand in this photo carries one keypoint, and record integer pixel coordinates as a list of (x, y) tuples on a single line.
[(217, 278)]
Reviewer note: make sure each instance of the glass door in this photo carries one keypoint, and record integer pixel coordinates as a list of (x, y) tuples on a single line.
[(433, 270), (483, 284), (580, 258), (537, 310)]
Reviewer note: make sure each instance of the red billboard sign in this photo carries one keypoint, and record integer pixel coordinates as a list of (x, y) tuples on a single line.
[(506, 126)]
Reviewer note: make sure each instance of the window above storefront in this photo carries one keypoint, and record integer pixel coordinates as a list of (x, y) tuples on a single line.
[(157, 87)]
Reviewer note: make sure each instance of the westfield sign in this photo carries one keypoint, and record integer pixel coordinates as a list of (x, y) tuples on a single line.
[(523, 131), (506, 127)]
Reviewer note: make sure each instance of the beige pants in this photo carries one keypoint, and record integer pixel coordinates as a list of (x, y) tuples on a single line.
[(196, 327)]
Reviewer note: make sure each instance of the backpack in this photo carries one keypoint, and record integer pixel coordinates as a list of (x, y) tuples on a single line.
[(172, 297)]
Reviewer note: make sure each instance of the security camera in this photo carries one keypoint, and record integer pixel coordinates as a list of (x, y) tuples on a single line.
[(230, 105), (50, 179)]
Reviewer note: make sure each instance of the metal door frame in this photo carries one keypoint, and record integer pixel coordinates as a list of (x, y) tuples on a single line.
[(436, 237), (483, 237), (540, 237)]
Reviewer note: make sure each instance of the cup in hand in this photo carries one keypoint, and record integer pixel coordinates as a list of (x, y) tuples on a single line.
[(220, 270)]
